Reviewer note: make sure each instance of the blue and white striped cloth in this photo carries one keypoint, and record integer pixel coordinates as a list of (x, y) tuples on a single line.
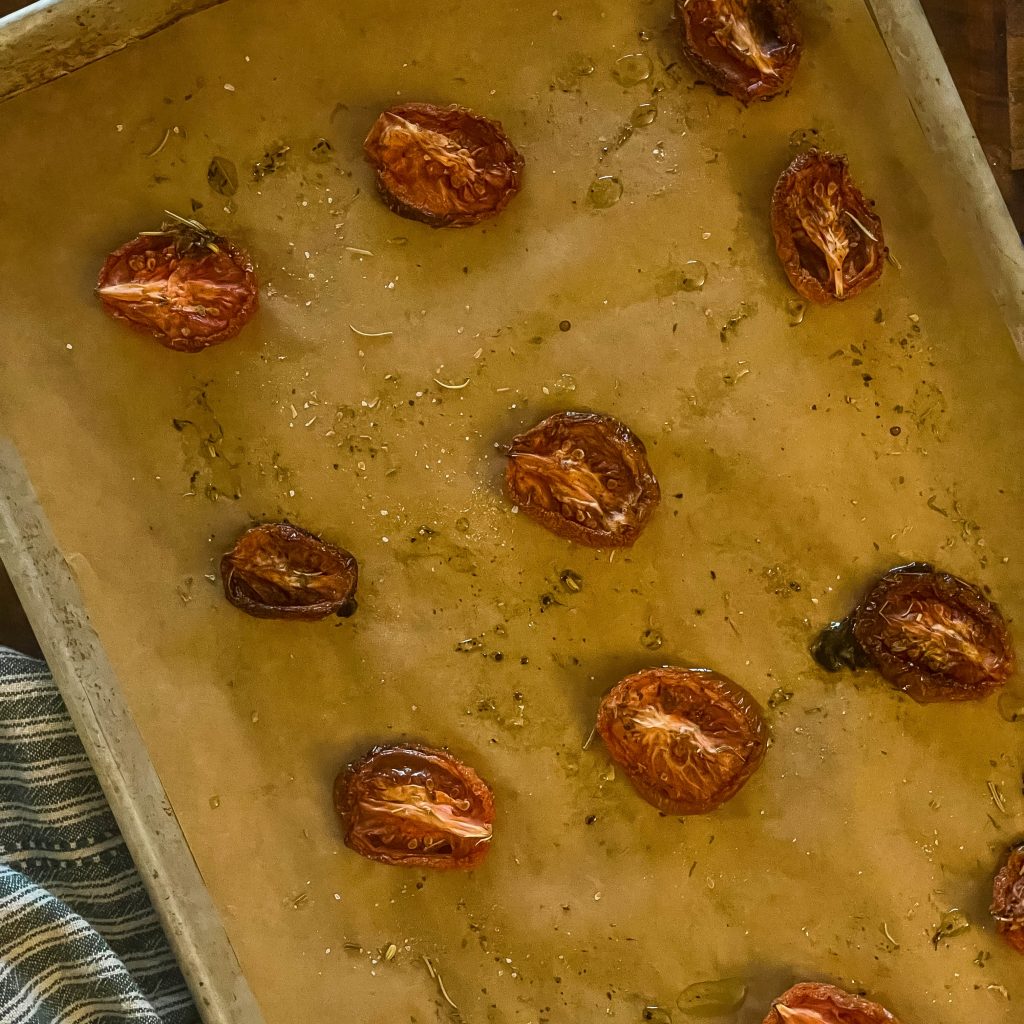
[(80, 942)]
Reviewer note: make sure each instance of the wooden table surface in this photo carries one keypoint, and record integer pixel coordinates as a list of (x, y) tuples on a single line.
[(973, 38)]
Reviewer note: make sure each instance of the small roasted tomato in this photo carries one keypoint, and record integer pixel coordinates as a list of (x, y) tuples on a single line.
[(688, 738), (415, 806), (827, 235), (933, 636), (747, 48), (445, 166), (1008, 898), (277, 571), (585, 477), (185, 285), (809, 1003)]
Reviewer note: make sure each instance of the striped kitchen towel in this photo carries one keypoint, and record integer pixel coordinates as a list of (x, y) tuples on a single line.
[(80, 942)]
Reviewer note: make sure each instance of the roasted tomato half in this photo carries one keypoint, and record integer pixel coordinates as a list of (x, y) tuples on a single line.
[(809, 1003), (747, 48), (827, 235), (1008, 898), (415, 806), (277, 571), (186, 286), (933, 636), (445, 166), (585, 477), (687, 738)]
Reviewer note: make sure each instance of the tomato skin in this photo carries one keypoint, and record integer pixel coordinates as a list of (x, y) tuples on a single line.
[(415, 806), (445, 166), (584, 476), (823, 228), (717, 37), (688, 739), (279, 571), (934, 636), (814, 1003), (188, 296), (1008, 898)]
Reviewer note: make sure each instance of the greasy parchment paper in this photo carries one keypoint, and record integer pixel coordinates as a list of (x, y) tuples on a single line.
[(786, 487)]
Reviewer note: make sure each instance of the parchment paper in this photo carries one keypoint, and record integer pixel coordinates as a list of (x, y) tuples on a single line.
[(786, 489)]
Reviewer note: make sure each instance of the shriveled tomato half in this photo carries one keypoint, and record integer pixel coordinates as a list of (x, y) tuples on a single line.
[(584, 476), (747, 48), (827, 235), (445, 166), (810, 1003), (185, 285), (688, 738), (1008, 898), (415, 806), (934, 636), (278, 571)]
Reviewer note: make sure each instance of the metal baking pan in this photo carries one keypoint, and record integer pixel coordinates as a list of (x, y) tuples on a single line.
[(342, 407), (49, 39)]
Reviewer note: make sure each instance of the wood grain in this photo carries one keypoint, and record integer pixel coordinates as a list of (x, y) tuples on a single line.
[(974, 40), (1015, 79)]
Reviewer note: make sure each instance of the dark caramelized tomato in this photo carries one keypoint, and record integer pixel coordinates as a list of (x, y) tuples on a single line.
[(827, 235), (445, 166), (933, 636), (415, 806), (277, 571), (1008, 899), (687, 738), (747, 48), (585, 477), (809, 1003), (189, 289)]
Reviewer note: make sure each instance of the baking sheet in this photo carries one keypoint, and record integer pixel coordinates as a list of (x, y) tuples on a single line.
[(51, 38), (785, 488), (95, 701)]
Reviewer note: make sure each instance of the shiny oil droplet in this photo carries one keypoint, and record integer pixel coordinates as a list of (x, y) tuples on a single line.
[(803, 137), (1011, 706), (712, 998), (692, 276), (657, 1015), (632, 69), (645, 114), (651, 639), (953, 922), (575, 68), (604, 192), (796, 309)]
